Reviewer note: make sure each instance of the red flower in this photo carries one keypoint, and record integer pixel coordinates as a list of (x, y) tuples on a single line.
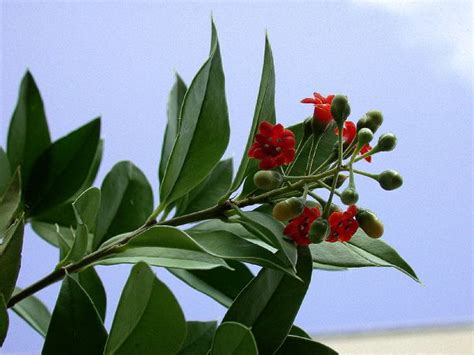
[(274, 146), (349, 132), (343, 225), (298, 228), (322, 107)]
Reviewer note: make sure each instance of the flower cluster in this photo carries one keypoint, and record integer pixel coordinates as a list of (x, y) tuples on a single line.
[(274, 146), (343, 225), (349, 133)]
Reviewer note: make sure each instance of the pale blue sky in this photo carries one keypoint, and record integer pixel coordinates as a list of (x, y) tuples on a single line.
[(411, 60)]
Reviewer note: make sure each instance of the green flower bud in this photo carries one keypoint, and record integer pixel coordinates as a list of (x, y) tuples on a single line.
[(313, 204), (349, 196), (364, 136), (267, 179), (340, 180), (387, 142), (374, 120), (319, 230), (370, 224), (362, 123), (340, 109), (288, 209), (334, 208), (390, 180)]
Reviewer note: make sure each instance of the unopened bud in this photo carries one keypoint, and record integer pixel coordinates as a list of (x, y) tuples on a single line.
[(374, 120), (387, 142), (370, 223), (390, 180), (340, 180), (288, 209), (362, 123), (364, 136), (340, 109), (319, 230), (349, 196), (267, 179)]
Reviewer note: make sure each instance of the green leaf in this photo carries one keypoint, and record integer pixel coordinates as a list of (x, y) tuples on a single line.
[(5, 171), (295, 330), (10, 258), (79, 246), (303, 346), (221, 284), (203, 132), (92, 284), (28, 135), (209, 191), (360, 251), (148, 319), (227, 245), (198, 338), (264, 111), (4, 322), (175, 101), (33, 312), (266, 228), (126, 203), (323, 151), (270, 302), (75, 327), (60, 172), (49, 232), (232, 338), (86, 207), (164, 246), (10, 202)]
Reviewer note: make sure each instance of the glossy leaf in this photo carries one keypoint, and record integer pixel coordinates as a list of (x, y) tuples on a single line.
[(221, 284), (175, 101), (232, 338), (164, 246), (323, 151), (33, 312), (360, 251), (148, 319), (204, 130), (126, 202), (198, 338), (10, 202), (4, 321), (75, 327), (92, 284), (10, 258), (78, 248), (5, 171), (264, 111), (297, 331), (270, 230), (209, 191), (28, 134), (49, 232), (303, 346), (270, 302), (227, 245), (86, 207), (60, 172)]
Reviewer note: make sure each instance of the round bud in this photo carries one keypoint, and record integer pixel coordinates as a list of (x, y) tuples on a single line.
[(340, 180), (364, 136), (288, 209), (319, 230), (370, 224), (390, 180), (349, 196), (334, 208), (313, 204), (362, 123), (340, 109), (267, 179), (387, 142), (374, 120)]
